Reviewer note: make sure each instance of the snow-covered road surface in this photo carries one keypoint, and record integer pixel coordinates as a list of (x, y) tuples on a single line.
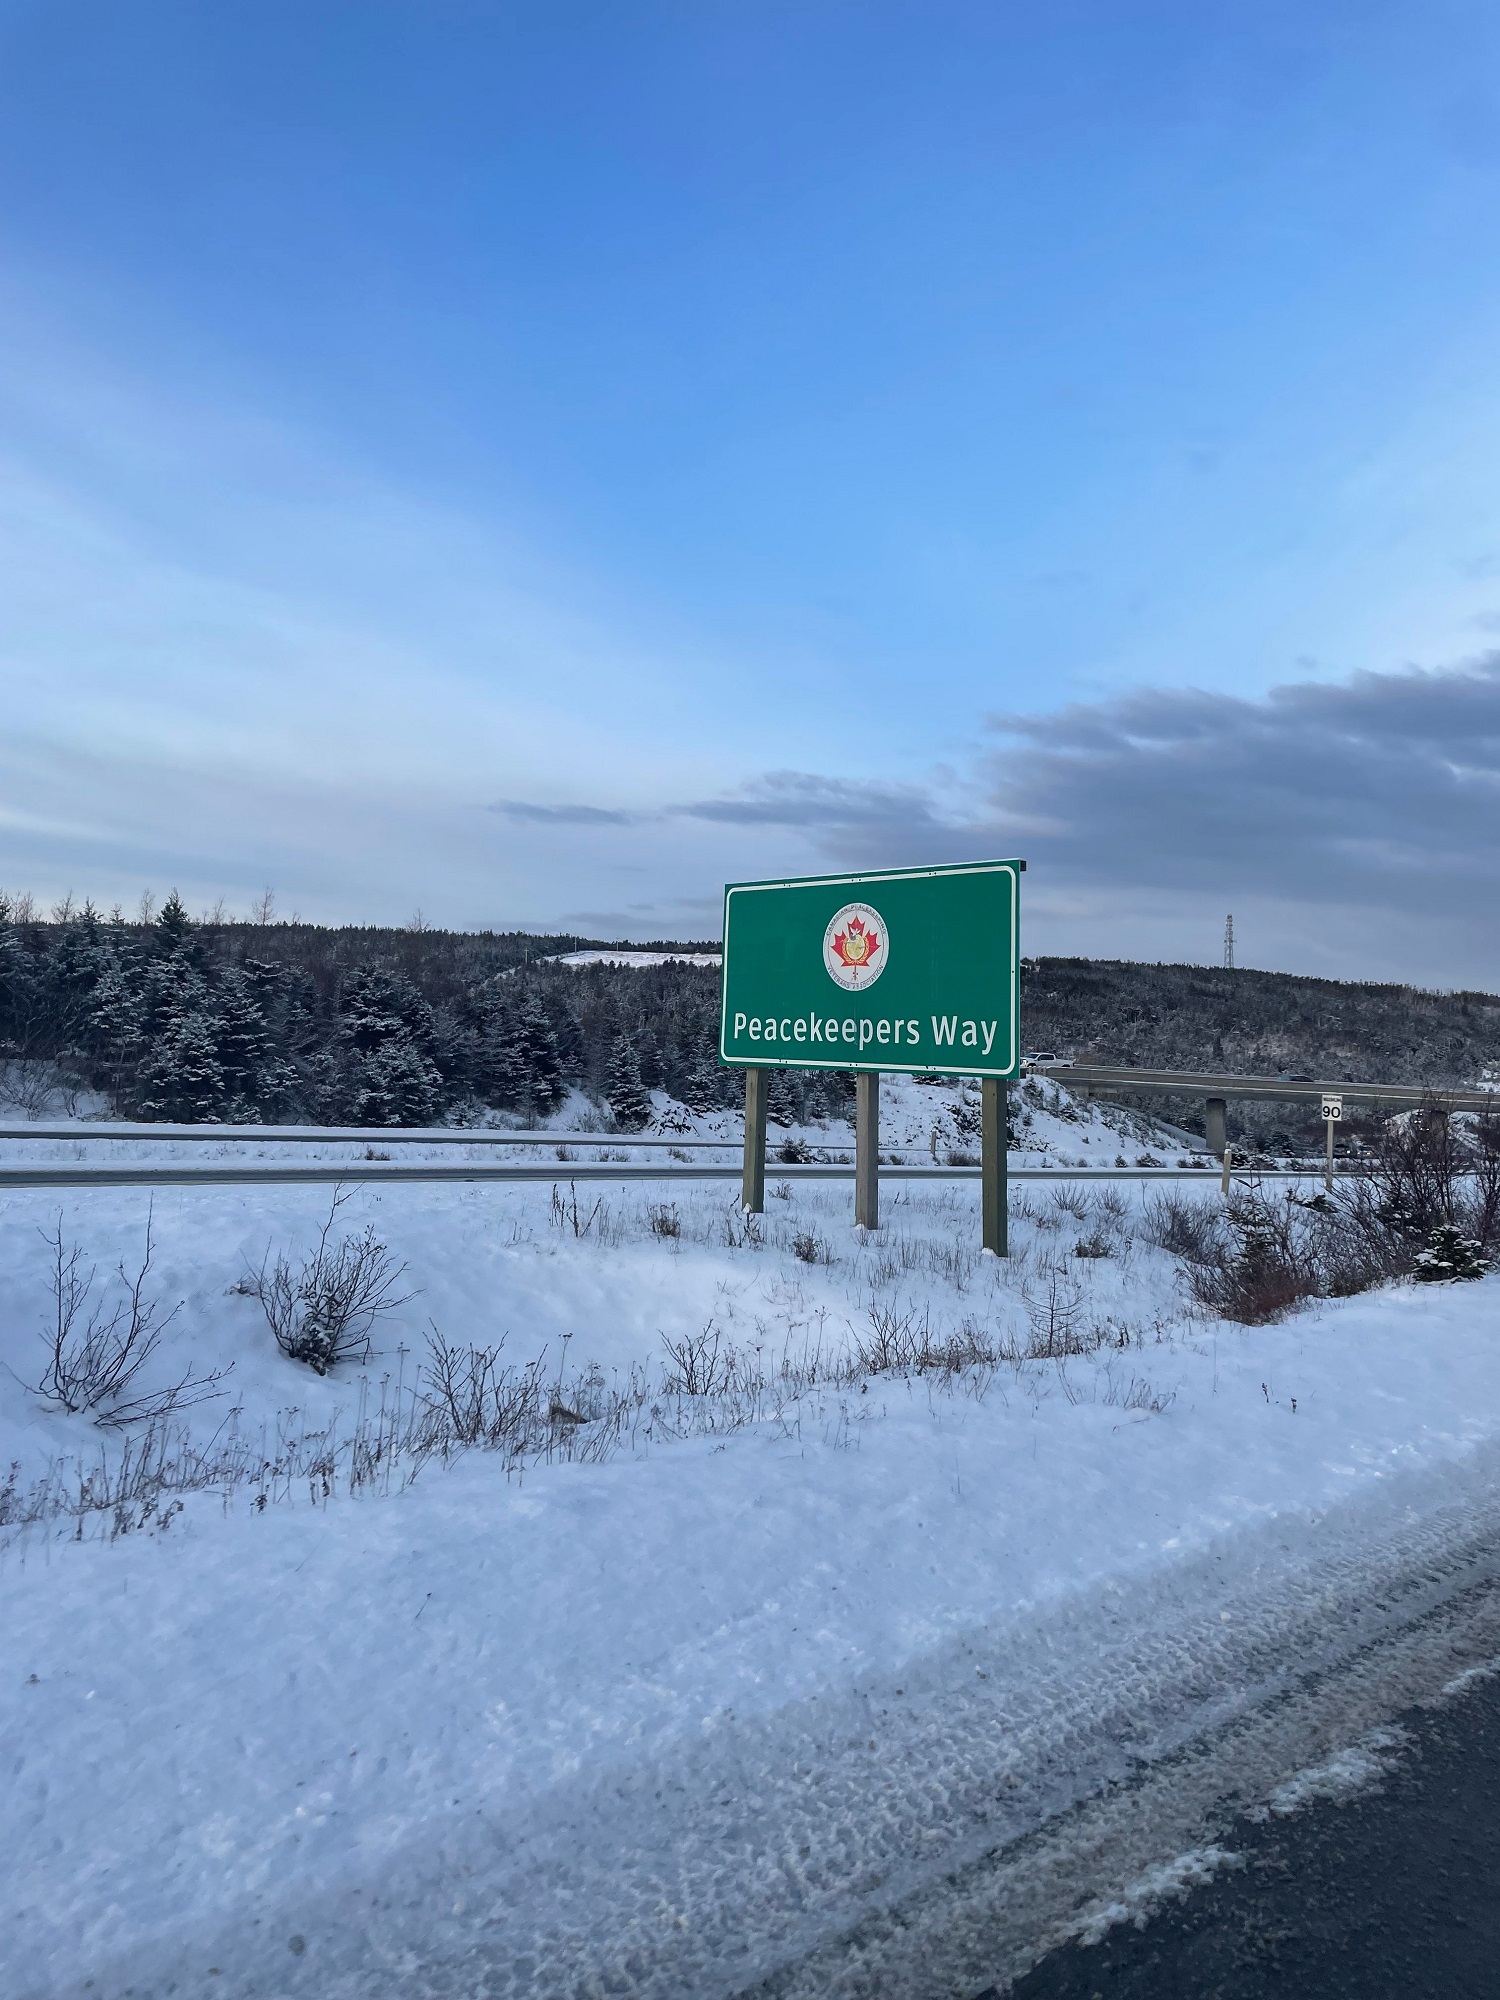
[(365, 1771)]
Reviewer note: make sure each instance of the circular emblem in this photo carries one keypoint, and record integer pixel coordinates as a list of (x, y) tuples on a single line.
[(855, 947)]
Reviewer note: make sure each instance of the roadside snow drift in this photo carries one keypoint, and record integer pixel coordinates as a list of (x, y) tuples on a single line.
[(725, 1712)]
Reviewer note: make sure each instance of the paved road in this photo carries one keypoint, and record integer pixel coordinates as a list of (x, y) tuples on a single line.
[(1393, 1895)]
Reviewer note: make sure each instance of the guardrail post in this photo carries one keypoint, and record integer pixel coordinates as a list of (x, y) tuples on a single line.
[(867, 1149), (1213, 1125), (753, 1186), (994, 1149)]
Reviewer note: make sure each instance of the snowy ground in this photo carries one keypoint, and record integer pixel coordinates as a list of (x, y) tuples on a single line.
[(639, 958), (704, 1711), (938, 1121)]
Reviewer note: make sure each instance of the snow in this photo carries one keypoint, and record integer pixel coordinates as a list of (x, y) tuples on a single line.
[(1049, 1128), (639, 958), (1358, 1767), (1166, 1882), (684, 1718)]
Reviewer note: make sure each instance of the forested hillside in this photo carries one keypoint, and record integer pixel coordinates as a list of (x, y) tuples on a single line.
[(1251, 1023), (1257, 1023), (287, 1022)]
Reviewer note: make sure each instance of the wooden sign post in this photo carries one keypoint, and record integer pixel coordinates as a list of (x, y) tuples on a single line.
[(753, 1185)]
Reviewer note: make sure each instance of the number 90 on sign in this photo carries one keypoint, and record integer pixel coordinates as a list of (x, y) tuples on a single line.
[(1333, 1108)]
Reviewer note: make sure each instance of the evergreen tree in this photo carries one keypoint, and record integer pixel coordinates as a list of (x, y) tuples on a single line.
[(254, 1076), (653, 1063), (396, 1085), (181, 1079), (628, 1101), (74, 967), (386, 1029), (20, 988), (572, 1047), (783, 1098), (174, 929), (537, 1050), (376, 1007), (501, 1077), (702, 1085), (114, 1031)]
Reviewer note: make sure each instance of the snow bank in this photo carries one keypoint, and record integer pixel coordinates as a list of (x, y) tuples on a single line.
[(702, 1716)]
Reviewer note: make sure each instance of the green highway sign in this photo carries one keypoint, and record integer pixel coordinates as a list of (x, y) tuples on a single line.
[(904, 968)]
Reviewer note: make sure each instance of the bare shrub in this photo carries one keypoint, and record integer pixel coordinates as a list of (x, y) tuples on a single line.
[(700, 1364), (811, 1248), (902, 1343), (1265, 1268), (322, 1310), (1055, 1316), (1183, 1225), (566, 1213), (743, 1229), (1095, 1245), (896, 1339), (96, 1354), (1425, 1172), (477, 1399), (1272, 1256), (663, 1219), (1137, 1394)]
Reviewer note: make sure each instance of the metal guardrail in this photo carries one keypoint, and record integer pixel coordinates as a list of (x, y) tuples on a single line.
[(280, 1173), (351, 1135), (388, 1135)]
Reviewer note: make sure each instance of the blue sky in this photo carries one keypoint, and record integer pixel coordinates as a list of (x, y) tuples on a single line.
[(532, 463)]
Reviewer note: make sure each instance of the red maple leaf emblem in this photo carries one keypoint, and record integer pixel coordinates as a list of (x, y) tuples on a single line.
[(857, 946)]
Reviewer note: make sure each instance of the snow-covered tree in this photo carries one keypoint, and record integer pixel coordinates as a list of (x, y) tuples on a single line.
[(537, 1048), (395, 1084), (628, 1101), (702, 1085), (386, 1030), (783, 1098), (181, 1079)]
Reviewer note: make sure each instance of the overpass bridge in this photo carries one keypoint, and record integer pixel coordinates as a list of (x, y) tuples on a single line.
[(1105, 1080)]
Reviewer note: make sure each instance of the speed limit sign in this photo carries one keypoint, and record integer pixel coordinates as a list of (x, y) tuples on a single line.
[(1333, 1106)]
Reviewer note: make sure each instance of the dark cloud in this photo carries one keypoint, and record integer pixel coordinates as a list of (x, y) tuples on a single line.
[(803, 799), (1353, 826), (563, 815), (1382, 791)]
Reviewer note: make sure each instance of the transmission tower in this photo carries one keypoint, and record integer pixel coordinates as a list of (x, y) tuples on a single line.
[(1229, 944)]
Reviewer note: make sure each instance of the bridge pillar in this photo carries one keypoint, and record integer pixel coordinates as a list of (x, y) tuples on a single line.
[(1213, 1126)]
